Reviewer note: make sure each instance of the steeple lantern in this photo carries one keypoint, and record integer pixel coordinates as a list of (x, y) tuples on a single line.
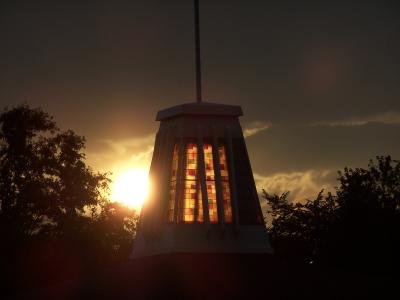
[(204, 198)]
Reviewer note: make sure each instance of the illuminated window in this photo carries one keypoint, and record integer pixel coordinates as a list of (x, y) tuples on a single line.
[(210, 183), (190, 208), (226, 193)]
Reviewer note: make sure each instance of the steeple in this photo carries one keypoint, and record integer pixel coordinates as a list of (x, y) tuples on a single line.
[(204, 198)]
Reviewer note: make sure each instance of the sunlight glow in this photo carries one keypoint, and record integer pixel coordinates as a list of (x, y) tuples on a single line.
[(131, 188)]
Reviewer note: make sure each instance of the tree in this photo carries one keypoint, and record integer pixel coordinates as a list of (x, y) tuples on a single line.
[(49, 194), (297, 229), (357, 227), (44, 180)]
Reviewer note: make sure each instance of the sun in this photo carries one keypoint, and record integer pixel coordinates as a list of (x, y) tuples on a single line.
[(131, 188)]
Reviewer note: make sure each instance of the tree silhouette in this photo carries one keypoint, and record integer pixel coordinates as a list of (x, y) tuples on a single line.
[(49, 196), (357, 227)]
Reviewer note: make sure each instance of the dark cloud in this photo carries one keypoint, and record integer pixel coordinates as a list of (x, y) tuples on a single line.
[(303, 147)]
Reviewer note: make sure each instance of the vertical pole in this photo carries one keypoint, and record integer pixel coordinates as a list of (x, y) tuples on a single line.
[(153, 170), (232, 178), (197, 50), (164, 197), (252, 185), (203, 179), (157, 204), (218, 185)]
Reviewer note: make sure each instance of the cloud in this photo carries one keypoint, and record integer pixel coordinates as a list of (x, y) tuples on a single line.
[(255, 127), (123, 146), (116, 155), (302, 185), (389, 117)]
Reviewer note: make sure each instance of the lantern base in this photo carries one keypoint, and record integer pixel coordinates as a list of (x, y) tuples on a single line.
[(195, 238)]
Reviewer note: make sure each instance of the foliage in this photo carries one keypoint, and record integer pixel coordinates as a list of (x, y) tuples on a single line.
[(355, 227), (49, 194)]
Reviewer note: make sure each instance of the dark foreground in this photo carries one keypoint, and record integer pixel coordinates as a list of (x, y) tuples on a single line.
[(187, 276)]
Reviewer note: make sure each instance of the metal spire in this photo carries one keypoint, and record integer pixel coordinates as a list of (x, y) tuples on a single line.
[(197, 50)]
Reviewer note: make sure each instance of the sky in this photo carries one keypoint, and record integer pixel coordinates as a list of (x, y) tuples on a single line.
[(318, 81)]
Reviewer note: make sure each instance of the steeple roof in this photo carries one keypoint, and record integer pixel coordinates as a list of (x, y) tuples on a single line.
[(200, 108)]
